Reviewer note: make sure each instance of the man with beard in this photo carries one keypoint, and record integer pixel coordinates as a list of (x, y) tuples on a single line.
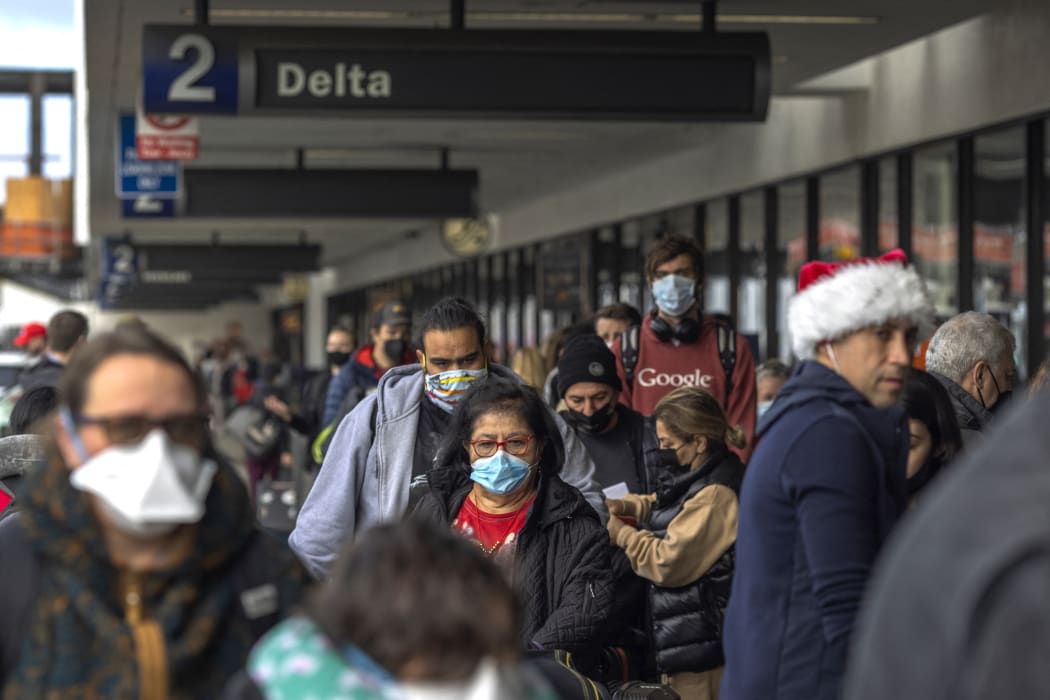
[(826, 482)]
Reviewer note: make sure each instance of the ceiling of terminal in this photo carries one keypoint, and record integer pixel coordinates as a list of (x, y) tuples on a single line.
[(519, 162)]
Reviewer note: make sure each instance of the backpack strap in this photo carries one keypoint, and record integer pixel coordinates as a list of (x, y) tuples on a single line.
[(726, 350), (629, 353), (324, 438)]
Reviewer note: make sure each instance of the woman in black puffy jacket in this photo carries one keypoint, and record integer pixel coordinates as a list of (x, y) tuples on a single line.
[(684, 539)]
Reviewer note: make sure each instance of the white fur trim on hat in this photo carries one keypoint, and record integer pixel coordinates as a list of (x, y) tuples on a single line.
[(854, 297)]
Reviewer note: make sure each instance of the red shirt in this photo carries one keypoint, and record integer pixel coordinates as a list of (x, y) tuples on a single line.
[(493, 532), (367, 358), (664, 366)]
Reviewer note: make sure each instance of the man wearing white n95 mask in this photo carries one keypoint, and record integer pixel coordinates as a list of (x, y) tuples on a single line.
[(141, 572)]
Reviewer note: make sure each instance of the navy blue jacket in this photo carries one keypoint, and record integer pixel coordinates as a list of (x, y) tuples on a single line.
[(823, 488), (357, 375)]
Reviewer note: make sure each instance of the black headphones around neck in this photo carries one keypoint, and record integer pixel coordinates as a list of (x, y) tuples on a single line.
[(687, 330)]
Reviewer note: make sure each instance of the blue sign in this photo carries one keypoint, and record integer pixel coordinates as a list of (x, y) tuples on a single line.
[(120, 269), (147, 207), (137, 177), (189, 70), (120, 260)]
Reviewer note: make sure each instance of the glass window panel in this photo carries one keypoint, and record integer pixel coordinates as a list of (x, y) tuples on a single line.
[(840, 214), (791, 252), (606, 261), (14, 115), (497, 314), (58, 136), (751, 295), (680, 221), (633, 261), (889, 237), (999, 235), (514, 302), (935, 232), (716, 258)]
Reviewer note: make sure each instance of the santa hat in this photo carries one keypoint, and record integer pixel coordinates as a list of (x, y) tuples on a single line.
[(836, 299)]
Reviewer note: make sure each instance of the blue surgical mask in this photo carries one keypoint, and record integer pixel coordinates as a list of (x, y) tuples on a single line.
[(445, 389), (501, 473), (674, 294), (763, 406)]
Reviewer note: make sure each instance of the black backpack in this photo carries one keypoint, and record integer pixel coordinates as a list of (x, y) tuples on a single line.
[(726, 351)]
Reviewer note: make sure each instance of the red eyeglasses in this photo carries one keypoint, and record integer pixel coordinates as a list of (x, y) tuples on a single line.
[(516, 446)]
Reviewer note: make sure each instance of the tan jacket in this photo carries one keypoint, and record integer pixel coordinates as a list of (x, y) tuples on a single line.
[(696, 538)]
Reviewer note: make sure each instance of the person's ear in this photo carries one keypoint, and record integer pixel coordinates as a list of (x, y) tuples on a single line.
[(421, 358), (701, 445), (488, 350), (978, 372)]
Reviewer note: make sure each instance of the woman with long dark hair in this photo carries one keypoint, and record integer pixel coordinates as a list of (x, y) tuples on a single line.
[(496, 482), (935, 438)]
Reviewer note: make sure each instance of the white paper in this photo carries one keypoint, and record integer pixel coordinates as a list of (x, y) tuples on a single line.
[(616, 490)]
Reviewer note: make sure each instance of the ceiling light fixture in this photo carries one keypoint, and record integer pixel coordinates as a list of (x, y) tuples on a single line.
[(525, 17)]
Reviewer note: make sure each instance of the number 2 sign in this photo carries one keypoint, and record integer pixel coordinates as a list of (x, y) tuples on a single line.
[(189, 70)]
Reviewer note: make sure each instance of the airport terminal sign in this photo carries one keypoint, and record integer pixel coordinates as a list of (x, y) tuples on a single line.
[(644, 76)]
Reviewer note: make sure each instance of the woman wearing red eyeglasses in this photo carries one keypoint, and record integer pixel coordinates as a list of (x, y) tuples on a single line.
[(496, 482)]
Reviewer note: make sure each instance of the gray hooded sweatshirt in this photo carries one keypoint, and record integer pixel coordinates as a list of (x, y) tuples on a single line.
[(365, 479)]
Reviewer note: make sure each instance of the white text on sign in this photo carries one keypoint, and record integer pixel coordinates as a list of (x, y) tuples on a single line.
[(292, 79)]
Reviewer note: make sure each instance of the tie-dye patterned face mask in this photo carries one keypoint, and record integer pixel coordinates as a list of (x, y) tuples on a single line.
[(445, 389)]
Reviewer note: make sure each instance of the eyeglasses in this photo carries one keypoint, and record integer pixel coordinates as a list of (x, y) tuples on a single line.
[(189, 429), (516, 446)]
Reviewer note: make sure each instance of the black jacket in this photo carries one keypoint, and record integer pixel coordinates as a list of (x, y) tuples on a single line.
[(562, 559), (973, 417), (46, 372), (687, 621)]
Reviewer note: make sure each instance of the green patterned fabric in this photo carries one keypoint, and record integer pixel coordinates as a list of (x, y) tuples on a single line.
[(297, 661)]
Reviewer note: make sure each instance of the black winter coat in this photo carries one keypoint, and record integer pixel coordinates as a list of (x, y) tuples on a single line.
[(562, 560), (687, 621)]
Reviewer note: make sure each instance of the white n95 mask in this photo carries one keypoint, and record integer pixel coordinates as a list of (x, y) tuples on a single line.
[(148, 488)]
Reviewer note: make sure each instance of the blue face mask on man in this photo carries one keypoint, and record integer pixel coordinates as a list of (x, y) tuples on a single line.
[(763, 406), (501, 473), (674, 294)]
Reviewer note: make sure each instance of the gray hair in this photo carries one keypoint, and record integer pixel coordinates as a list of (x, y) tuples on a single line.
[(773, 368), (964, 340)]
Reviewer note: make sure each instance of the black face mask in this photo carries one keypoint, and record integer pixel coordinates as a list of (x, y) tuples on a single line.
[(1003, 403), (338, 359), (394, 349), (596, 423), (668, 459), (1000, 403)]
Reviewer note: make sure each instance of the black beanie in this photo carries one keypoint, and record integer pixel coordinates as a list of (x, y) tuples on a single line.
[(587, 359)]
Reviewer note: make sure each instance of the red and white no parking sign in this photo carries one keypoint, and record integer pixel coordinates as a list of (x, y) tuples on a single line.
[(166, 136)]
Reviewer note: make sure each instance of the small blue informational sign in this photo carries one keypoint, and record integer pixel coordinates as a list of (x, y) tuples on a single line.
[(137, 177), (189, 70), (120, 269)]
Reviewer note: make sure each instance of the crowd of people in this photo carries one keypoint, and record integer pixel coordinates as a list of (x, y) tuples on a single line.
[(638, 511)]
